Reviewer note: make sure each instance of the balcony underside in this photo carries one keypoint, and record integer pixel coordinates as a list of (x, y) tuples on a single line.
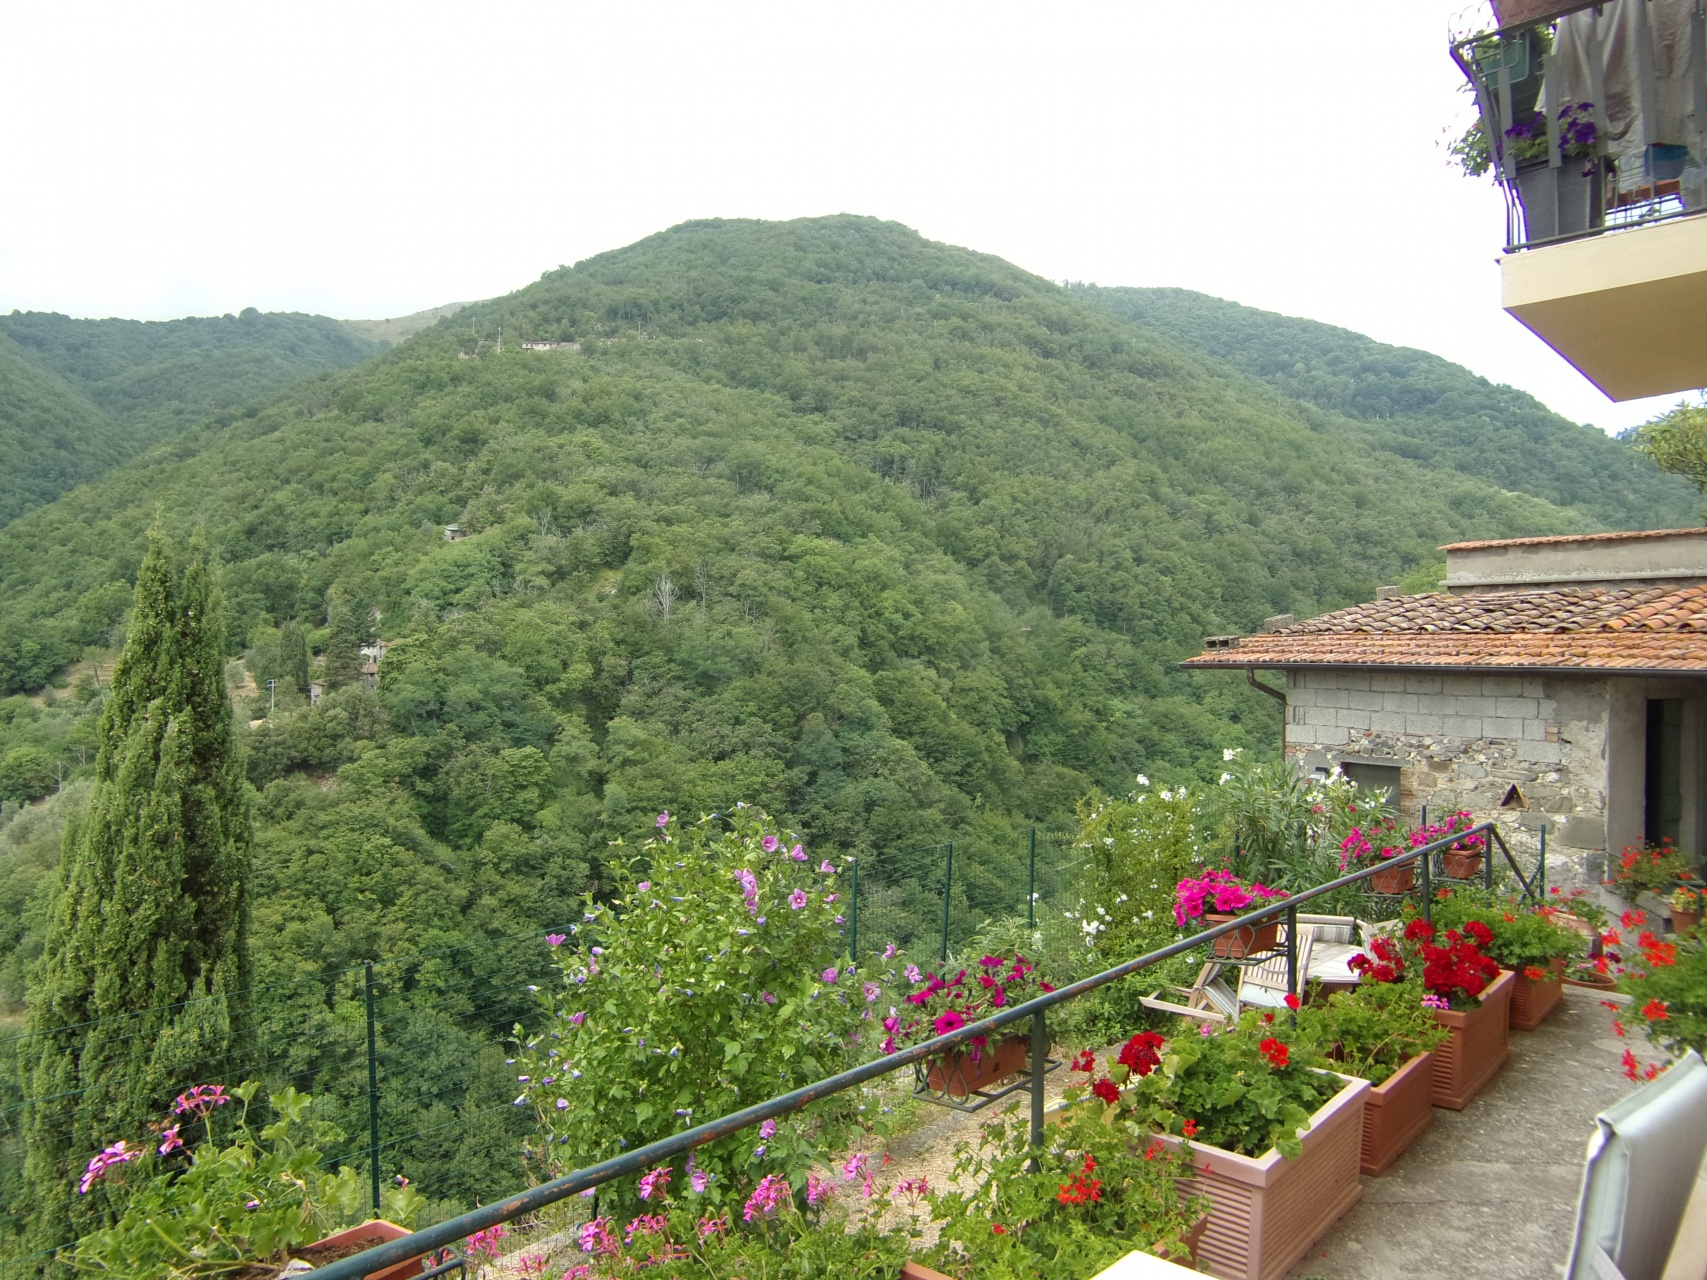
[(1628, 309)]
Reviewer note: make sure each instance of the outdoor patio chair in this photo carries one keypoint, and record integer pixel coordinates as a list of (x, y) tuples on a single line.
[(1207, 999), (1336, 943), (1266, 985), (1643, 1162)]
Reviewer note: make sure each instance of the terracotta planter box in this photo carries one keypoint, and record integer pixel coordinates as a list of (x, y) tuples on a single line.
[(1394, 879), (958, 1076), (1480, 1044), (1683, 922), (1461, 866), (1395, 1114), (1266, 1212), (1532, 1001), (1252, 940), (366, 1235)]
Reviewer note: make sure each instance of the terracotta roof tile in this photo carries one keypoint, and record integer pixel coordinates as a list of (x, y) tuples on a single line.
[(1617, 628), (1576, 537)]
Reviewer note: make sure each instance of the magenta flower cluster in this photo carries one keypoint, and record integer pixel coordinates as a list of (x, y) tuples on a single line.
[(1221, 891)]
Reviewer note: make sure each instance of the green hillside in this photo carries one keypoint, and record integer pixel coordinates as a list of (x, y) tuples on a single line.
[(893, 538), (1416, 405), (52, 437), (79, 396)]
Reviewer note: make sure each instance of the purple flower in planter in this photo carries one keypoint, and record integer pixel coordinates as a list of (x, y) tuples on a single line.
[(645, 886), (770, 844), (825, 868), (555, 939), (797, 853), (797, 899), (578, 1018), (829, 975), (767, 1130), (664, 818), (871, 992), (767, 997)]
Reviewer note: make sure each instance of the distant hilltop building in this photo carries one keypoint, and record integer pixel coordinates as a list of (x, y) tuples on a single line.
[(551, 346), (453, 533)]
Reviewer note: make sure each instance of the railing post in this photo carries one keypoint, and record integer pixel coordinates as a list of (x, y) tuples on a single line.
[(1541, 870), (853, 911), (1427, 891), (1031, 883), (1039, 1054), (372, 1091), (1292, 957), (1488, 862), (947, 880)]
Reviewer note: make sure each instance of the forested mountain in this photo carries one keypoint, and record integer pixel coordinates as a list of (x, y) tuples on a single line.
[(891, 537), (1418, 406), (79, 396), (51, 435)]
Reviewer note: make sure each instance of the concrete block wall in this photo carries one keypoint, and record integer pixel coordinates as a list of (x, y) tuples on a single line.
[(1463, 740)]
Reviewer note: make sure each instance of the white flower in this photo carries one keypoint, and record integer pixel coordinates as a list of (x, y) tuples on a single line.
[(1143, 781), (1230, 753), (1226, 778)]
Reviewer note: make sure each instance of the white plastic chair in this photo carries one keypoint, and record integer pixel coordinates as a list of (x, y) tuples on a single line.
[(1642, 1166)]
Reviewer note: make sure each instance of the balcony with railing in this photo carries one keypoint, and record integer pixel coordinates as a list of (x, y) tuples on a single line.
[(1593, 121)]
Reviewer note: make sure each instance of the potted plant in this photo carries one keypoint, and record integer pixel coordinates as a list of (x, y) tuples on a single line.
[(1528, 940), (1215, 897), (214, 1206), (1469, 995), (1084, 1200), (1383, 1033), (1366, 846), (1655, 868), (938, 1005), (1685, 910), (1463, 858), (1273, 1138), (682, 1229)]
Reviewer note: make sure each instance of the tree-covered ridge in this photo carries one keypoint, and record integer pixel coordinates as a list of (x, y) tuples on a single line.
[(52, 436), (1416, 405), (80, 396)]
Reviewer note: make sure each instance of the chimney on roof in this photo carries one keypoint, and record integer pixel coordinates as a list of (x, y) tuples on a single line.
[(1669, 557), (1388, 593), (1278, 621)]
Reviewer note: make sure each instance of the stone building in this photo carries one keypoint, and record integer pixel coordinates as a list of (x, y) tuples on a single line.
[(1558, 681)]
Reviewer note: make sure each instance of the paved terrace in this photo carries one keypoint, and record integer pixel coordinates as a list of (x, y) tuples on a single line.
[(1490, 1191)]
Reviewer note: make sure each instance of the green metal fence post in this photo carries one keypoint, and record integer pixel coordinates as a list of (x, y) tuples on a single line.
[(372, 1092), (1292, 958), (947, 880), (1031, 884), (1541, 870), (853, 911), (1039, 1054)]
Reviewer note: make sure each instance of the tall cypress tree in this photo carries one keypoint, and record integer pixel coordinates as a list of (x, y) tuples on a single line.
[(347, 632), (143, 987)]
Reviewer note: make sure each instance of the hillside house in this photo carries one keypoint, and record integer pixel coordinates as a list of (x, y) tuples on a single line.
[(1554, 680)]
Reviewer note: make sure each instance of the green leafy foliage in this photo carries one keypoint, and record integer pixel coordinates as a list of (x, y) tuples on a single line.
[(1088, 1198), (78, 397), (715, 977), (1668, 994), (1372, 1030), (197, 1206), (1246, 1088), (1677, 442)]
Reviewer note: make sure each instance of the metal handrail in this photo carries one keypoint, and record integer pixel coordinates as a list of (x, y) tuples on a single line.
[(533, 1199)]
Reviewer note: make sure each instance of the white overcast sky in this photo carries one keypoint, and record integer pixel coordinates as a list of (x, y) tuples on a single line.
[(372, 159)]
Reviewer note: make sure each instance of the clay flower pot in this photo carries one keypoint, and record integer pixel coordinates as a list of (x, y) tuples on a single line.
[(1461, 866), (1479, 1045), (1394, 879), (1592, 978), (343, 1243), (1683, 922), (1532, 1000), (1248, 941), (918, 1270), (958, 1076), (1267, 1211), (1396, 1112)]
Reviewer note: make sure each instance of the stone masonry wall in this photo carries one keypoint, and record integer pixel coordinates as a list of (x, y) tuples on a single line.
[(1462, 741)]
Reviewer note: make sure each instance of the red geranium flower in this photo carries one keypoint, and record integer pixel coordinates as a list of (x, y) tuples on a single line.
[(1107, 1090), (1276, 1052), (1140, 1053), (1656, 1011), (1189, 1129), (1292, 1000)]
